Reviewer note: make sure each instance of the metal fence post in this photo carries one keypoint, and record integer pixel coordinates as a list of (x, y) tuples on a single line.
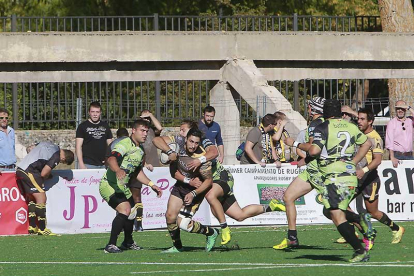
[(158, 100), (296, 95), (13, 23), (15, 107), (156, 19), (295, 22), (78, 121)]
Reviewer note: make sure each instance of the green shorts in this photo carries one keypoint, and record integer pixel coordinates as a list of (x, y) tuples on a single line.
[(313, 176), (339, 191), (108, 189)]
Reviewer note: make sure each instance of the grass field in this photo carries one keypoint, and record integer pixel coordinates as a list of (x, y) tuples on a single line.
[(318, 255)]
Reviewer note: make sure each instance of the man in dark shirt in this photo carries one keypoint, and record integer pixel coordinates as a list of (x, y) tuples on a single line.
[(212, 130), (92, 138), (31, 174)]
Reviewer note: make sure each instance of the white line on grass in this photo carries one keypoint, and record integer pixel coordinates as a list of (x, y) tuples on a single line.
[(386, 264), (269, 267)]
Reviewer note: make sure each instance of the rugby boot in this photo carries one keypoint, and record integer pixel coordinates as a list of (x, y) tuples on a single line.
[(356, 258), (111, 248), (286, 243), (225, 236), (397, 235), (46, 232), (275, 205), (211, 240), (173, 250), (131, 246)]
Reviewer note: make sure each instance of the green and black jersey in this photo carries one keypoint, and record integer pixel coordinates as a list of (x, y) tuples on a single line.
[(130, 158), (311, 128), (337, 139)]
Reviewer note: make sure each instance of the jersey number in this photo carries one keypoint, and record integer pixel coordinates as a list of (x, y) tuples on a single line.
[(347, 141)]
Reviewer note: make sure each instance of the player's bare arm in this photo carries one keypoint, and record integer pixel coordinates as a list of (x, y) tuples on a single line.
[(141, 177)]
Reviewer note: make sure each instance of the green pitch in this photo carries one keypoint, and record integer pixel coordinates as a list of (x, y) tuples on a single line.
[(318, 255)]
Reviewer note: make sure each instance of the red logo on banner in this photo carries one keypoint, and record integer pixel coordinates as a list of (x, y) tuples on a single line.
[(13, 207), (21, 215)]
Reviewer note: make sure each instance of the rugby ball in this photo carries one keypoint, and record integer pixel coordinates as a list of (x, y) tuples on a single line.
[(164, 157)]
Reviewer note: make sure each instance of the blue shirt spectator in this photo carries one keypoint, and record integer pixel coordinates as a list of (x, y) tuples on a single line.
[(7, 143), (212, 130)]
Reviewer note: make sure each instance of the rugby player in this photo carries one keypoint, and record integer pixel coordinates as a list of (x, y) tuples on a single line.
[(31, 174), (308, 180), (368, 180), (126, 157), (334, 145), (185, 199)]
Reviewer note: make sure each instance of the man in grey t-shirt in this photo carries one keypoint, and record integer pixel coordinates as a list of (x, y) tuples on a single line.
[(259, 147)]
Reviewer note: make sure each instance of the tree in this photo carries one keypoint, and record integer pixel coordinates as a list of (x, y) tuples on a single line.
[(397, 16)]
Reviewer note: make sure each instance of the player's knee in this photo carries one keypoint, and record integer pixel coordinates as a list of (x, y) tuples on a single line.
[(186, 223), (287, 198), (170, 217), (211, 197)]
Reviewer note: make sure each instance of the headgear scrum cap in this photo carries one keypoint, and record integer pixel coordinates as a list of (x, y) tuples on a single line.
[(316, 105)]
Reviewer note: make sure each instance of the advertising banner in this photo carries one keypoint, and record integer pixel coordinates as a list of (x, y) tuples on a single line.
[(397, 190), (74, 204), (13, 207)]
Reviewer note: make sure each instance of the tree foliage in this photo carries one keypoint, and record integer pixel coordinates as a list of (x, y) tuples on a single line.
[(186, 7)]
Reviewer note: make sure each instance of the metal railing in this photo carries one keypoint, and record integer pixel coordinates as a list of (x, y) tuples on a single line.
[(157, 22), (53, 105)]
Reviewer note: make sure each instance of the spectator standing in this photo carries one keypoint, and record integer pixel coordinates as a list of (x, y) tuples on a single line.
[(7, 143), (151, 152), (283, 151), (399, 135), (259, 147), (31, 174), (212, 130), (92, 138)]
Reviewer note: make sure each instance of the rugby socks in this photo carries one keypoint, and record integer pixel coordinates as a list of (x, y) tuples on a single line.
[(347, 231), (387, 221), (292, 235), (128, 229), (40, 210), (201, 229), (117, 225), (223, 225), (175, 235), (140, 211), (31, 207)]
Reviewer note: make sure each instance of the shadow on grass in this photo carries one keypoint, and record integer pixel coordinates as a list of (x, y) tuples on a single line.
[(332, 258)]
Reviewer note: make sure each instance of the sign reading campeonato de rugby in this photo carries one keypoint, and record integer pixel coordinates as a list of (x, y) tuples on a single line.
[(13, 207), (75, 205)]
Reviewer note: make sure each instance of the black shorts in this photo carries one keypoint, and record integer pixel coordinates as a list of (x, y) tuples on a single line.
[(133, 181), (180, 190), (369, 188), (118, 198), (29, 183), (226, 182)]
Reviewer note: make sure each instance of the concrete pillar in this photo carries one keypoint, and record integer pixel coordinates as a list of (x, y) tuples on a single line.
[(250, 83), (227, 115)]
